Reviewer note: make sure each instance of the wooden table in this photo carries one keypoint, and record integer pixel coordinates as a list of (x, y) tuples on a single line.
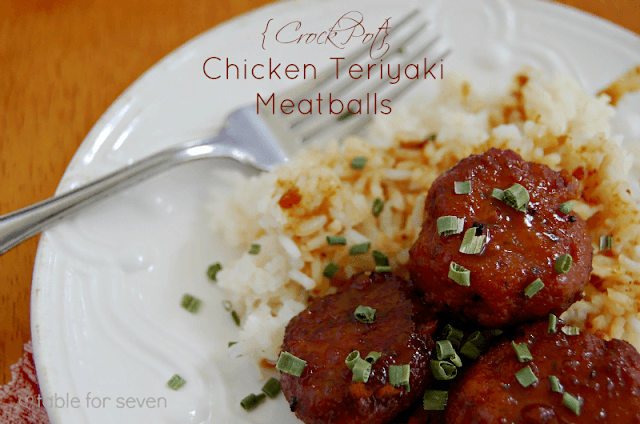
[(62, 64)]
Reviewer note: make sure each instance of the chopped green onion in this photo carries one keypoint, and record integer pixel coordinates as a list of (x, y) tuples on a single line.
[(227, 305), (213, 270), (383, 269), (231, 344), (453, 335), (448, 225), (365, 314), (336, 240), (359, 249), (377, 207), (470, 350), (477, 339), (462, 187), (235, 317), (358, 162), (571, 402), (361, 371), (496, 332), (399, 376), (431, 137), (271, 388), (330, 270), (554, 382), (459, 274), (443, 370), (570, 331), (498, 194), (456, 360), (380, 258), (252, 401), (351, 359), (176, 382), (606, 243), (533, 288), (190, 303), (472, 244), (372, 357), (522, 351), (435, 400), (566, 207), (290, 364), (517, 197), (526, 377), (444, 350), (553, 322), (255, 249), (563, 263)]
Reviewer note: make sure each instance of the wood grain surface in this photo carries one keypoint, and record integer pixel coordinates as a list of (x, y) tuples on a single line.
[(62, 63)]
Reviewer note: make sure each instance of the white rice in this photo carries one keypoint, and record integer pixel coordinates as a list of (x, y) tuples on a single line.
[(563, 128)]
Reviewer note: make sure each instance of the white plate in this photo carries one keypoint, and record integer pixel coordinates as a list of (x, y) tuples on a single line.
[(106, 319)]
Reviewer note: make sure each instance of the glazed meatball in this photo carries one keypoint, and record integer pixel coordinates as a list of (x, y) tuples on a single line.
[(521, 244), (326, 333), (602, 376)]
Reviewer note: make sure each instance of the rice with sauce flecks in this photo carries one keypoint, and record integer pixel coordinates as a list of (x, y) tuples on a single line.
[(292, 210)]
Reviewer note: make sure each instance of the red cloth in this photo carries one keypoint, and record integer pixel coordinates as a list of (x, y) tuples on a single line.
[(19, 402)]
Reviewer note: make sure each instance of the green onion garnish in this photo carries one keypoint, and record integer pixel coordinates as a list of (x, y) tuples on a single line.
[(570, 331), (359, 162), (431, 137), (533, 288), (359, 249), (252, 401), (496, 332), (271, 388), (383, 269), (448, 225), (472, 244), (231, 344), (517, 197), (553, 322), (365, 314), (443, 370), (352, 358), (453, 335), (235, 317), (336, 240), (255, 249), (372, 357), (526, 377), (459, 274), (470, 350), (435, 400), (462, 187), (563, 263), (566, 207), (571, 402), (522, 351), (361, 371), (498, 194), (606, 243), (227, 305), (477, 339), (290, 364), (399, 376), (444, 350), (330, 270), (380, 258), (554, 382), (377, 207), (176, 382), (190, 303), (213, 270)]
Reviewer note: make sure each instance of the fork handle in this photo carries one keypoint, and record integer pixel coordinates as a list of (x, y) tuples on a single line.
[(22, 224)]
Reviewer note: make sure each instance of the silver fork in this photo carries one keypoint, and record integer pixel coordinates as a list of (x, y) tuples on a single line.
[(259, 140)]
